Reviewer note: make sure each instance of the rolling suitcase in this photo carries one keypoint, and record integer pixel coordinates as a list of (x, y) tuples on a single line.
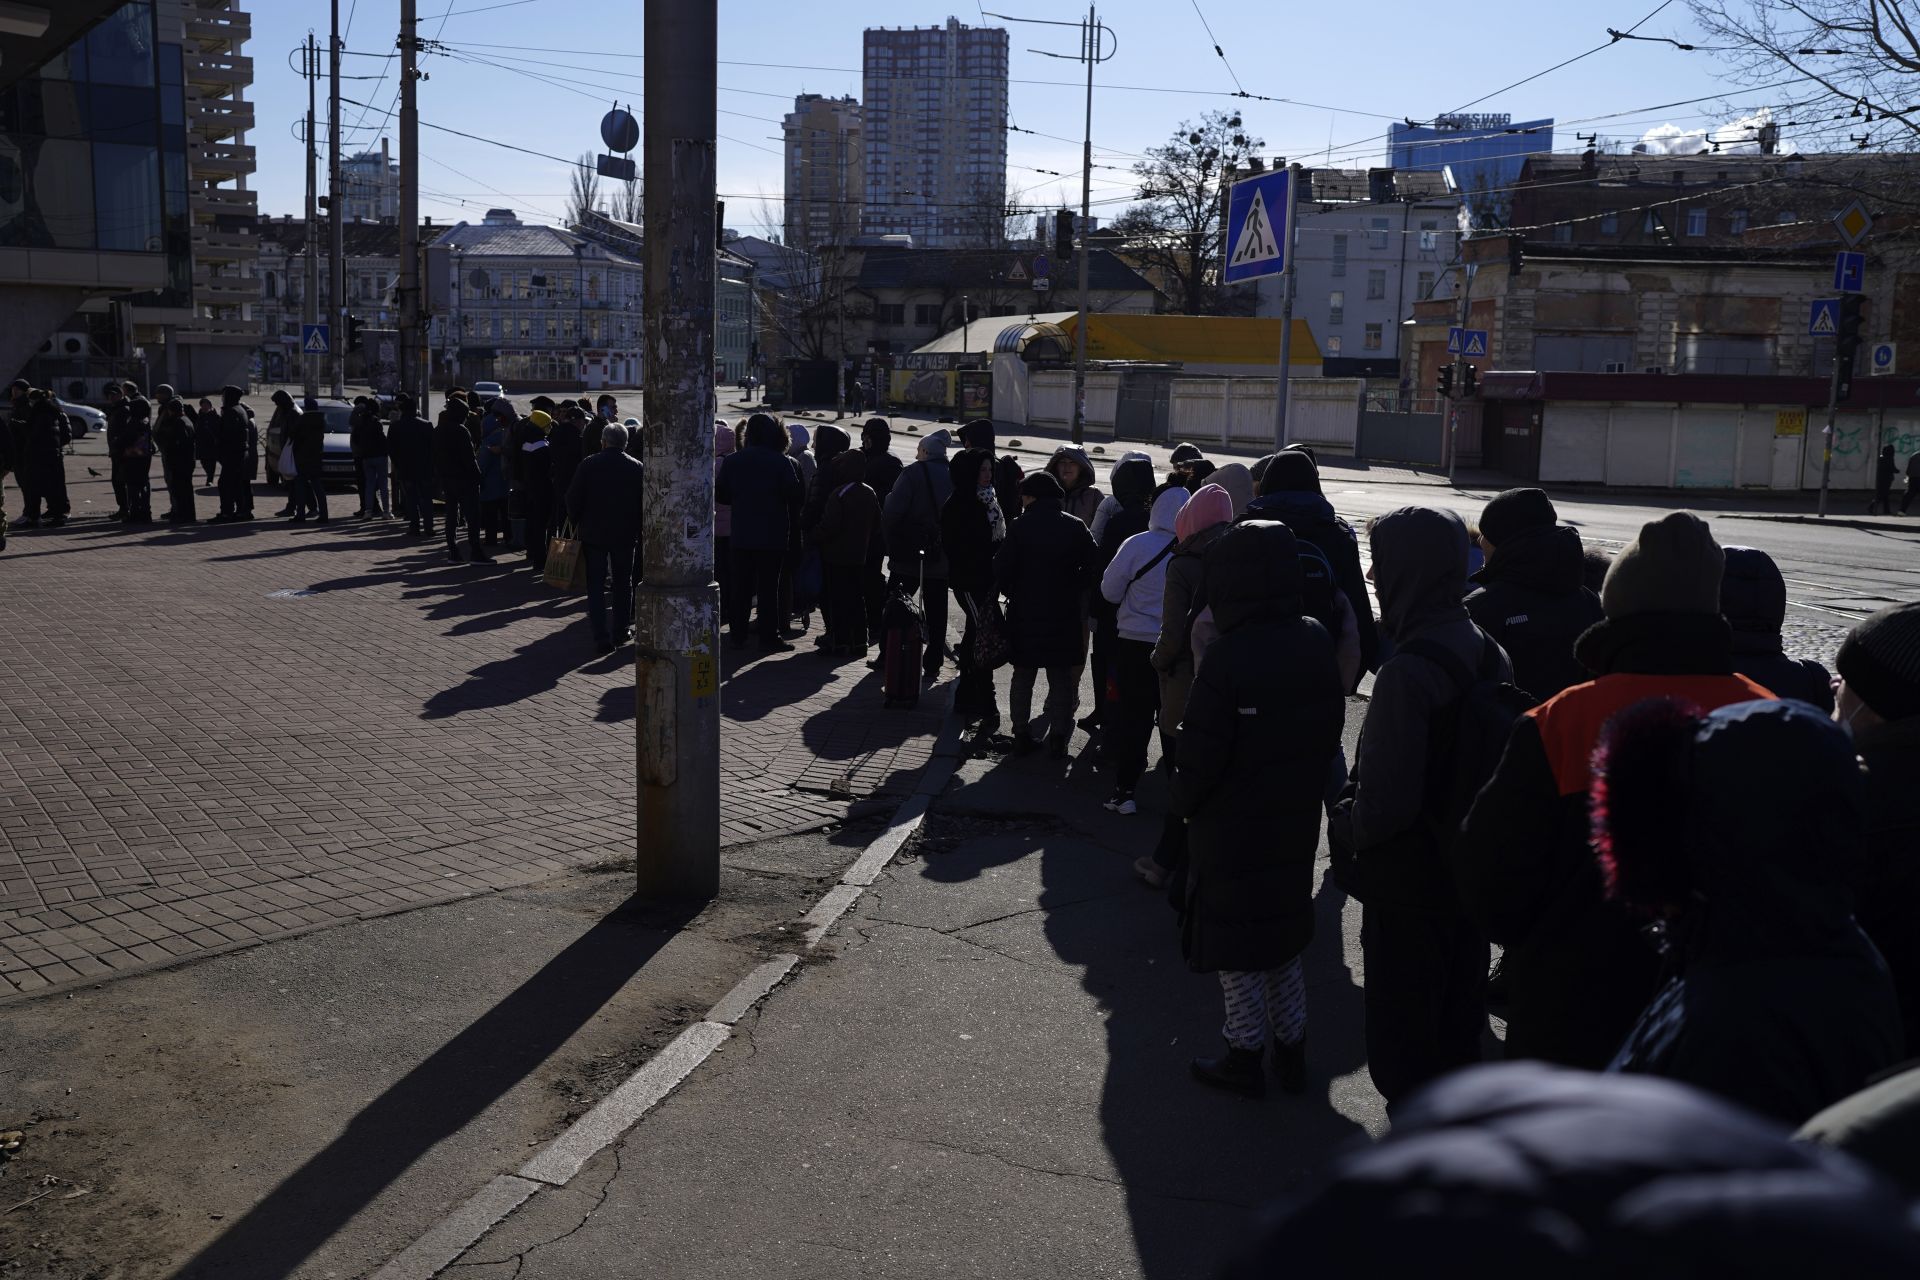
[(902, 646)]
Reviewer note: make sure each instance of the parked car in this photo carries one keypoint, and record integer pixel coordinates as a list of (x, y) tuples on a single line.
[(83, 419), (338, 459), (485, 391)]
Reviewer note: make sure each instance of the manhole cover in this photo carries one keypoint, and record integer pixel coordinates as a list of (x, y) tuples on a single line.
[(291, 593)]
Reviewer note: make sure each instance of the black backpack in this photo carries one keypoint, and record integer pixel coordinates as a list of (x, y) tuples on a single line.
[(1469, 734)]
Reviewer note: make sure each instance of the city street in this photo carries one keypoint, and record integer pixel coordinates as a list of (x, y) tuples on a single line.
[(317, 863)]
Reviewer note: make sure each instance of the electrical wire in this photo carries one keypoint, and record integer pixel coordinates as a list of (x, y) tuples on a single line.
[(1212, 40)]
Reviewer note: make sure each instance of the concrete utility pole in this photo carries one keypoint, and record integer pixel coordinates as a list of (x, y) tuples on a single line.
[(676, 645), (310, 312), (412, 372), (1094, 35), (1459, 366), (1285, 383), (337, 276)]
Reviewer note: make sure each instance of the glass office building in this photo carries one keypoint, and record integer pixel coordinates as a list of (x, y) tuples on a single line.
[(1484, 153)]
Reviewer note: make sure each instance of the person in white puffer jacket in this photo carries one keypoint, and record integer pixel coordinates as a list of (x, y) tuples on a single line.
[(1135, 581)]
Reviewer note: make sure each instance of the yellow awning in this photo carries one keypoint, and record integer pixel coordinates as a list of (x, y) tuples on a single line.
[(1232, 340)]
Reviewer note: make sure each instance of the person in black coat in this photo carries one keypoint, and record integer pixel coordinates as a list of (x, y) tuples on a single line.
[(876, 442), (236, 445), (761, 485), (410, 443), (1523, 1172), (173, 435), (1045, 568), (605, 504), (40, 462), (972, 527), (1290, 493), (1753, 600), (568, 444), (458, 472), (1261, 728), (1737, 829), (206, 437), (1531, 594), (1885, 468), (829, 442)]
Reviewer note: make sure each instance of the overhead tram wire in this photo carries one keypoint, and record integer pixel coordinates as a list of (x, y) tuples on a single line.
[(1212, 40)]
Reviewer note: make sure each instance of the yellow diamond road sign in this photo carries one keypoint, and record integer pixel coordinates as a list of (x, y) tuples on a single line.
[(1854, 222)]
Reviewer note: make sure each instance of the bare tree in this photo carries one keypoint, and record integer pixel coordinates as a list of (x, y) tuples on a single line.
[(629, 201), (1174, 233), (583, 192), (1860, 60)]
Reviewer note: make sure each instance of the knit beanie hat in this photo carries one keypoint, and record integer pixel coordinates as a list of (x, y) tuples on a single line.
[(1880, 661), (1515, 512), (1674, 566), (1184, 452), (1290, 472), (1040, 485)]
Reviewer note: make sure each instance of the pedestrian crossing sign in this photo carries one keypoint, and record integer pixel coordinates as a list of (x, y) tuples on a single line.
[(1825, 319), (1257, 230), (313, 339)]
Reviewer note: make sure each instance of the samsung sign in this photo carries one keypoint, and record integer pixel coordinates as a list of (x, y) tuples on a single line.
[(1464, 122)]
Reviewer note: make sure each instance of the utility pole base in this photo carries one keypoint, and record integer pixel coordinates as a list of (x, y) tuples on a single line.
[(677, 720)]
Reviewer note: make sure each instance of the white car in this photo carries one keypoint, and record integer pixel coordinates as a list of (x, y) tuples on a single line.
[(486, 391), (83, 419)]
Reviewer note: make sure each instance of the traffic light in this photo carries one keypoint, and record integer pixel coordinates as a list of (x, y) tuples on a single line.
[(1446, 382), (1469, 381), (1062, 235), (1846, 345), (353, 333)]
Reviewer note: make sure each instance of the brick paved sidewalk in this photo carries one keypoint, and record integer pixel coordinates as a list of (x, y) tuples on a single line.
[(189, 761)]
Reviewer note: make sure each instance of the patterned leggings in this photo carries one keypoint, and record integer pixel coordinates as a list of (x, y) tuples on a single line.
[(1273, 1000)]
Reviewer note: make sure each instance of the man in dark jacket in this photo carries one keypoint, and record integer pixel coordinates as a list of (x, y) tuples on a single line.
[(309, 458), (130, 446), (410, 446), (236, 433), (1261, 727), (1579, 972), (910, 524), (1045, 567), (849, 521), (457, 471), (1426, 962), (1885, 468), (1290, 493), (173, 436), (117, 432), (876, 442), (368, 437), (829, 442), (41, 463), (1753, 600), (1522, 1172), (1736, 828), (762, 486), (605, 502), (206, 437), (15, 449), (1879, 700), (568, 444), (1531, 595)]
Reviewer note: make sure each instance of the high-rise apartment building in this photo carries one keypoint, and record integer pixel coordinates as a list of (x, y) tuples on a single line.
[(826, 169), (935, 100), (371, 181)]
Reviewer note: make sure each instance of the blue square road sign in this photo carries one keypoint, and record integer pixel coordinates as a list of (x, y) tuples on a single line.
[(1824, 322), (1850, 272), (313, 340), (1258, 237)]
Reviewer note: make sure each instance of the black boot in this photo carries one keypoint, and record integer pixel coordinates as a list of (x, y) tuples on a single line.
[(1290, 1065), (1236, 1071)]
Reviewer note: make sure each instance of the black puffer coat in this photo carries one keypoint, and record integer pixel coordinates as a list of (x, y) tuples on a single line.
[(1739, 829), (1753, 600), (1261, 728), (965, 533), (1311, 518), (1887, 880), (1532, 598), (1044, 569), (829, 442)]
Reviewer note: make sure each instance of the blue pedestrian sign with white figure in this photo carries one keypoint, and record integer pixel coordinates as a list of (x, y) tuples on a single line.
[(1825, 320), (313, 339), (1471, 343), (1257, 231), (1850, 272)]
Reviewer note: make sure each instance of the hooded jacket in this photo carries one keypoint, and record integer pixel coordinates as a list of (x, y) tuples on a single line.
[(411, 443), (1738, 829), (1311, 518), (1238, 482), (850, 515), (568, 443), (1578, 968), (1753, 600), (1887, 872), (828, 444), (876, 441), (1129, 488), (965, 533), (797, 440), (1514, 1171), (910, 518), (1135, 579), (1083, 496), (762, 485), (1420, 571), (310, 440), (1532, 598), (280, 425), (1044, 569), (453, 460), (1202, 520), (1261, 727), (723, 447), (367, 435)]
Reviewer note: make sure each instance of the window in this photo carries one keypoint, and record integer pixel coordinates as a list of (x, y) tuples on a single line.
[(1423, 285), (1336, 308), (1333, 345), (1737, 222), (272, 286), (891, 313), (1609, 224), (526, 327), (1374, 338), (1696, 222), (1429, 234), (1786, 216), (1377, 234), (926, 313), (1376, 285), (1563, 233), (1339, 256)]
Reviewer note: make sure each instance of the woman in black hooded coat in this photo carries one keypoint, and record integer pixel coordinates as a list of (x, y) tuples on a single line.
[(1261, 728), (972, 527)]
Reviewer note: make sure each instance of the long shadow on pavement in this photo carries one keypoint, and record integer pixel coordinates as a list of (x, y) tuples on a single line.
[(530, 670), (437, 1099)]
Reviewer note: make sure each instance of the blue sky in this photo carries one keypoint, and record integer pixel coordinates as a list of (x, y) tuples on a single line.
[(1359, 64)]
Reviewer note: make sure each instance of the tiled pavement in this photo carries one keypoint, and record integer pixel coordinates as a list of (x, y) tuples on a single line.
[(189, 762)]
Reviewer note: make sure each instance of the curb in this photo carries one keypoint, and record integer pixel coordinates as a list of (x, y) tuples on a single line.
[(562, 1158), (1830, 522)]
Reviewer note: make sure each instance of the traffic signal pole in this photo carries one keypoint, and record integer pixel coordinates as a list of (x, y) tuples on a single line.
[(337, 263), (1833, 413), (310, 307), (676, 646), (1283, 387), (1457, 382)]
